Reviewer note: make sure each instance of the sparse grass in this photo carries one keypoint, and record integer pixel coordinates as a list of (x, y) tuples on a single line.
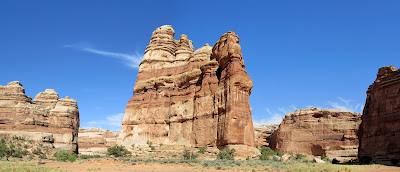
[(6, 166), (93, 169)]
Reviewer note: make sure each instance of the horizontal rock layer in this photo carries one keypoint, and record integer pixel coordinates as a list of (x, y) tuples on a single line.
[(96, 141), (380, 128), (263, 134), (318, 132), (187, 97), (45, 119)]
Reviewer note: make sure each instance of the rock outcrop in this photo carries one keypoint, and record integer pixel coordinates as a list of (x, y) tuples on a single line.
[(46, 119), (187, 97), (318, 132), (96, 141), (263, 134), (380, 127)]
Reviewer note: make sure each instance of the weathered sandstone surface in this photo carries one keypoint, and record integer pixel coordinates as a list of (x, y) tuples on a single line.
[(46, 119), (380, 127), (187, 97), (263, 134), (318, 132), (96, 141)]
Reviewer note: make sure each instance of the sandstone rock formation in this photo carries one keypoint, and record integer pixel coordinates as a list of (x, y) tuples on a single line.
[(187, 97), (263, 134), (318, 132), (380, 127), (96, 141), (46, 119)]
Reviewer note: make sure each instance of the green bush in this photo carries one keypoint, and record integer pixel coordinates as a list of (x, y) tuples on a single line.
[(187, 155), (266, 153), (118, 151), (202, 150), (89, 156), (37, 151), (3, 150), (326, 159), (62, 156), (151, 145), (280, 153), (300, 156), (226, 154), (2, 141)]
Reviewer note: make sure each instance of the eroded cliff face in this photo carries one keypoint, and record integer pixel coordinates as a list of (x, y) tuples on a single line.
[(318, 132), (380, 127), (263, 134), (187, 97), (46, 119), (96, 141)]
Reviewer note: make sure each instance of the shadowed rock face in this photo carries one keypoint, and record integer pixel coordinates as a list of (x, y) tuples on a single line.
[(318, 131), (187, 97), (380, 127), (47, 119)]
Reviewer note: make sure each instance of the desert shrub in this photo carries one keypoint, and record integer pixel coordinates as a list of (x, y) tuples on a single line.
[(118, 151), (300, 156), (42, 156), (202, 150), (187, 155), (324, 158), (151, 145), (226, 154), (64, 156), (26, 146), (161, 144), (2, 141), (37, 151), (280, 153), (266, 152), (365, 160), (3, 150), (89, 156)]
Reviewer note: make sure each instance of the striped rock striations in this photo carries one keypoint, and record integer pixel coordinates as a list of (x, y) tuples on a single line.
[(96, 141), (46, 119), (319, 132), (191, 98), (263, 134), (380, 127)]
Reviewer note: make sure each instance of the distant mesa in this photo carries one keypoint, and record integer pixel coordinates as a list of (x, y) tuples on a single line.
[(318, 132), (193, 98), (47, 119)]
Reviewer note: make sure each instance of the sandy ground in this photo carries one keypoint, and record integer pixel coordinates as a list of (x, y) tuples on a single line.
[(111, 165)]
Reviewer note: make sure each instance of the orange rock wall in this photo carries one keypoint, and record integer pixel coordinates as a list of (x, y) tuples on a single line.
[(47, 119), (187, 97), (380, 127)]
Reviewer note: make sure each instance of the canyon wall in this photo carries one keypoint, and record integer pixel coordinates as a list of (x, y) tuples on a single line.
[(96, 141), (380, 127), (318, 132), (187, 97), (263, 134), (46, 119)]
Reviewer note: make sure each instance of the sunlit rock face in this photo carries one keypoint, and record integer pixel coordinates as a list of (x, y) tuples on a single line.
[(318, 132), (263, 134), (46, 119), (380, 127), (96, 141), (187, 97)]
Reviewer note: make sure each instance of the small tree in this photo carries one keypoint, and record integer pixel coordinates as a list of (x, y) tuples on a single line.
[(266, 152), (226, 154), (118, 151)]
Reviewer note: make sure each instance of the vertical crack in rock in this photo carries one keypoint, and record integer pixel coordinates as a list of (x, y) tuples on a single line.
[(208, 95)]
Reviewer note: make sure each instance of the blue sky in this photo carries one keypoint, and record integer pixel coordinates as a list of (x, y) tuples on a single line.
[(298, 53)]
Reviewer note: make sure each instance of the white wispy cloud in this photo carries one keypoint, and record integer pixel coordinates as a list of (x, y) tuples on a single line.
[(274, 116), (112, 122), (131, 60), (346, 105)]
